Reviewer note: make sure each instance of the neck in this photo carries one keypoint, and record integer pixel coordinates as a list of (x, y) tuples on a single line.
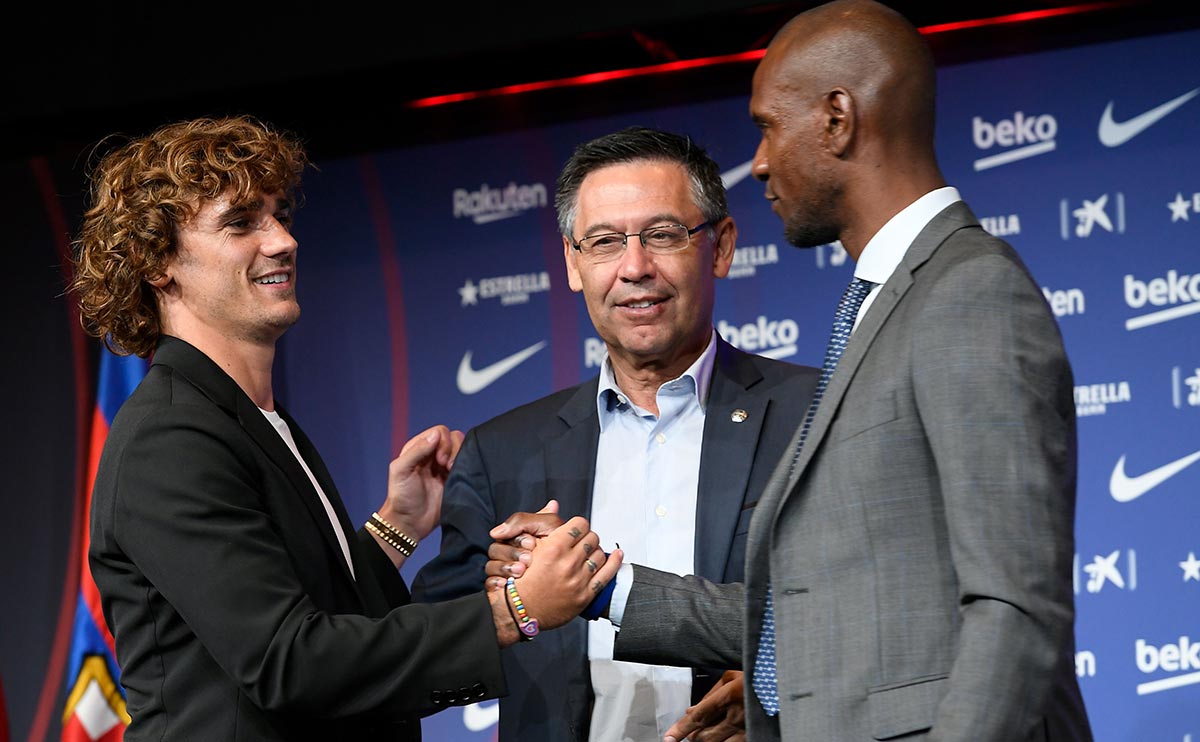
[(893, 187), (248, 363), (640, 381)]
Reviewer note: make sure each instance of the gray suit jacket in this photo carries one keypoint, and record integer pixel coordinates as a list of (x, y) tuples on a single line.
[(920, 553), (547, 449)]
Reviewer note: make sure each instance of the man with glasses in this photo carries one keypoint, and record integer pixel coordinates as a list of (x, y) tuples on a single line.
[(665, 451)]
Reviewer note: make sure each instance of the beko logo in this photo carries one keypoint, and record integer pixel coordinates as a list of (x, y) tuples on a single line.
[(770, 338), (1175, 657), (1178, 290), (490, 204), (1028, 136)]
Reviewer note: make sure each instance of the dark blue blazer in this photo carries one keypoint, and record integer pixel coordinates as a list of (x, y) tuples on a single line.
[(547, 449)]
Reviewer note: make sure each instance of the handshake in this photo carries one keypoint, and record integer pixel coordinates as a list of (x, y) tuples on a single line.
[(567, 573), (553, 589)]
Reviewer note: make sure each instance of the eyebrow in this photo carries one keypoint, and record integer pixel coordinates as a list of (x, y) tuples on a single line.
[(284, 204), (655, 221)]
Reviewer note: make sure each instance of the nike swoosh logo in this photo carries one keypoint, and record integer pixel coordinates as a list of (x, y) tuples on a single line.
[(1127, 489), (1114, 134), (732, 177), (478, 717), (471, 380)]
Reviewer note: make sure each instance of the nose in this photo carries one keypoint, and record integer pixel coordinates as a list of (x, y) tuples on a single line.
[(636, 263), (759, 167), (278, 240)]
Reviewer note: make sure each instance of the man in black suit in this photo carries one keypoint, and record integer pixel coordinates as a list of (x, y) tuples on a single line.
[(665, 451), (243, 604)]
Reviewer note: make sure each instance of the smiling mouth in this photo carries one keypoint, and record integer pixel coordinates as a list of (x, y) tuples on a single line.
[(272, 279)]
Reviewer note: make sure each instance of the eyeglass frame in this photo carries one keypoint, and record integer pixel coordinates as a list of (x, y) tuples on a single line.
[(626, 235)]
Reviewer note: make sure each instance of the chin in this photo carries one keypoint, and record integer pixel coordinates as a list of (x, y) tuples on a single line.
[(805, 236)]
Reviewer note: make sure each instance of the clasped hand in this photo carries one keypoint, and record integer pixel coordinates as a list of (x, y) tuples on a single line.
[(560, 566)]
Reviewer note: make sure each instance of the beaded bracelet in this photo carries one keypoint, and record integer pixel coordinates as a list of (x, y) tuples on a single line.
[(525, 624), (391, 535)]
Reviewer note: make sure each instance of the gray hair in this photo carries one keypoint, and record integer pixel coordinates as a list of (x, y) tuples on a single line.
[(636, 144)]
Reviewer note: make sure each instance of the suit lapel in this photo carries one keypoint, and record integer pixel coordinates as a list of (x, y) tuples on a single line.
[(272, 444), (200, 370), (570, 464), (948, 221), (727, 449), (570, 453)]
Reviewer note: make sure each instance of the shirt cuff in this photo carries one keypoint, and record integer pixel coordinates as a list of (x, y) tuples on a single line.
[(620, 593)]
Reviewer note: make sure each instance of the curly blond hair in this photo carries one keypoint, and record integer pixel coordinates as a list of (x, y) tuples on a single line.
[(143, 192)]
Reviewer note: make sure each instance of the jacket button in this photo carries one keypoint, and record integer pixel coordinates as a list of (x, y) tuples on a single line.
[(436, 697), (479, 689)]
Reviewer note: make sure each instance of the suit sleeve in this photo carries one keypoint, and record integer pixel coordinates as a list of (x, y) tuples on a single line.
[(994, 391), (683, 621), (199, 530), (468, 515)]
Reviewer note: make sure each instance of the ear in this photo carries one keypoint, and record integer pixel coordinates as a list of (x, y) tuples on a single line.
[(162, 280), (724, 246), (570, 255), (840, 121)]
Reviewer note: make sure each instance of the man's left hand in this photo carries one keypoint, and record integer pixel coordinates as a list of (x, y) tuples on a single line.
[(719, 717), (416, 479)]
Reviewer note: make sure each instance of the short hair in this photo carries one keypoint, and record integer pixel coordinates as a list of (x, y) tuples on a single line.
[(143, 192), (636, 144)]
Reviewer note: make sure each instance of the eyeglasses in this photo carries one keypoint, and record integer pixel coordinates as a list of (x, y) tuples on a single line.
[(661, 239)]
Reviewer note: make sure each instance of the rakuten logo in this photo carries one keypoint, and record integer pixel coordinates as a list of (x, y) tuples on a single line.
[(493, 204), (1030, 135), (1183, 656), (1178, 289), (770, 338)]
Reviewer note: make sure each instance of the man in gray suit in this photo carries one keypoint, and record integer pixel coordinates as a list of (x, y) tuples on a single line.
[(908, 568)]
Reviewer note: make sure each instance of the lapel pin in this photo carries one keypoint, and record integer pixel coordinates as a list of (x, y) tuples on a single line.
[(738, 416)]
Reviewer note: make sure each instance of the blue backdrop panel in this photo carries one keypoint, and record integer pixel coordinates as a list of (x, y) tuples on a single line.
[(433, 290)]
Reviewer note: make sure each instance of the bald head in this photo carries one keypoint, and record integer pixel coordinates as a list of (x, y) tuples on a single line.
[(872, 51), (844, 98)]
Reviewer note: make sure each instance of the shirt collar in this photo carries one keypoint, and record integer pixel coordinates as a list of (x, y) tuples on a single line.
[(886, 249), (609, 396)]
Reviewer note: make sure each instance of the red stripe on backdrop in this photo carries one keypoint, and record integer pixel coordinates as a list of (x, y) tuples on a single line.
[(754, 55), (50, 701), (3, 715), (87, 586), (389, 266)]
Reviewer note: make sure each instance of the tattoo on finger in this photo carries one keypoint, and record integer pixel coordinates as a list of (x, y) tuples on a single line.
[(588, 549), (575, 533)]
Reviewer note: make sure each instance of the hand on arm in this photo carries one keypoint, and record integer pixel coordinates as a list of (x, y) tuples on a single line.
[(719, 717), (416, 478)]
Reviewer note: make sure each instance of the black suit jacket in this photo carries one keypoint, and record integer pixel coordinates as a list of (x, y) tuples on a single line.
[(547, 449), (234, 611)]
